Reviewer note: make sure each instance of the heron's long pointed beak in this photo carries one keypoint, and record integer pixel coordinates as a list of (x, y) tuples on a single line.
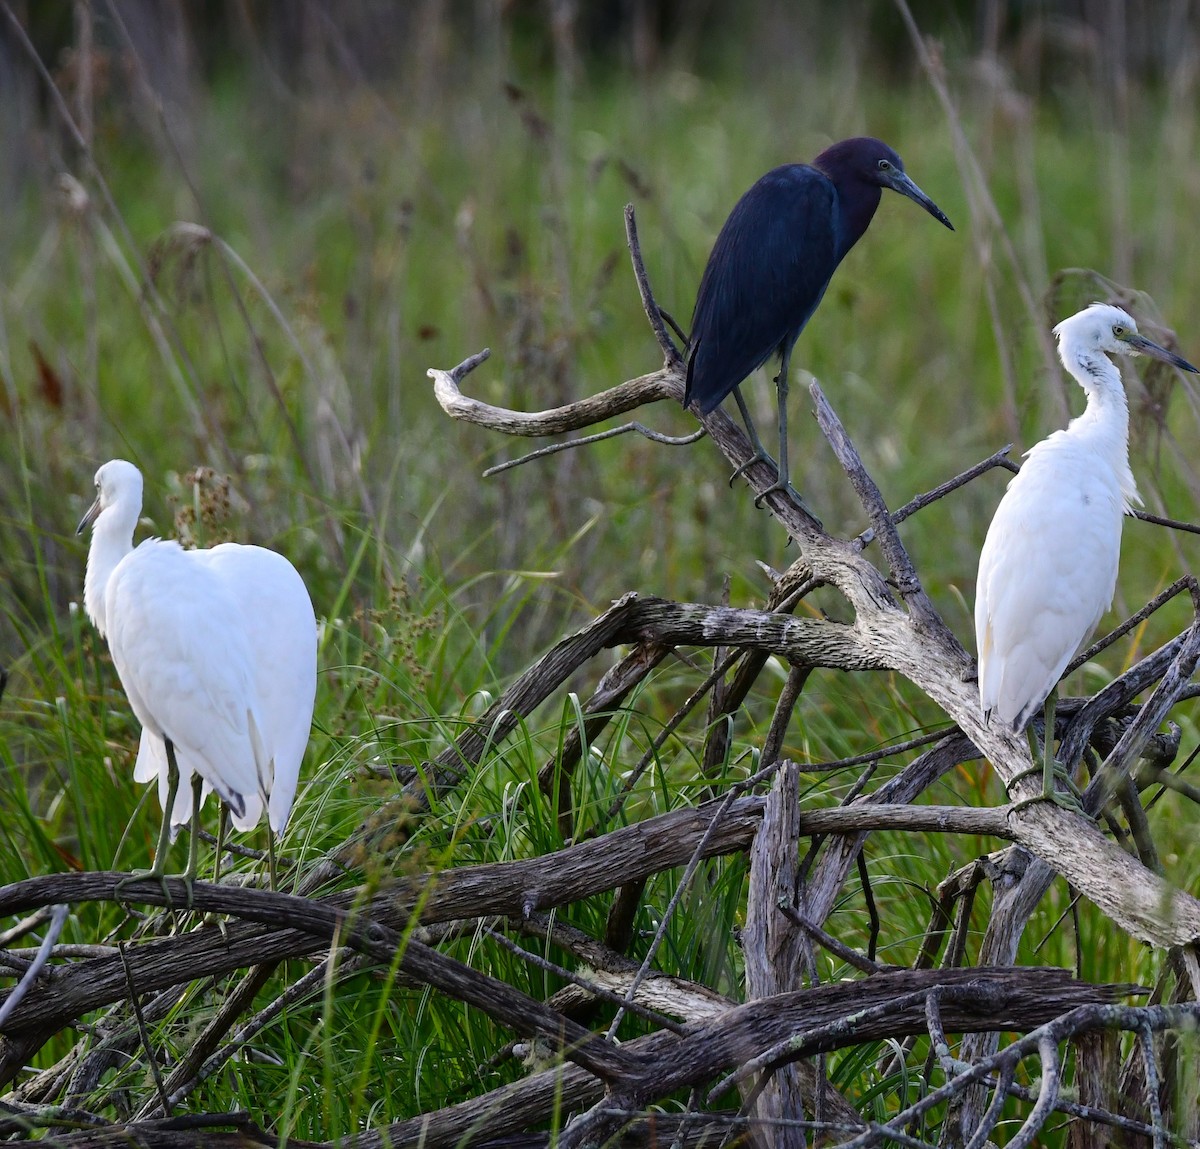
[(94, 510), (1140, 345), (905, 186)]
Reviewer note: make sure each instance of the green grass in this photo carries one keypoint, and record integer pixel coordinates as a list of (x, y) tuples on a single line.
[(378, 236)]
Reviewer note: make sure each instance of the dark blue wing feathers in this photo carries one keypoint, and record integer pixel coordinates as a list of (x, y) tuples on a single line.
[(765, 277)]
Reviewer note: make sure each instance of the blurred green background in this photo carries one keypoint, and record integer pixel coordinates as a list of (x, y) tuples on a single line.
[(235, 235), (408, 183)]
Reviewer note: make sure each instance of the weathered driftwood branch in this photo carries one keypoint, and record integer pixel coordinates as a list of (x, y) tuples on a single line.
[(896, 622), (896, 628), (775, 953), (916, 642)]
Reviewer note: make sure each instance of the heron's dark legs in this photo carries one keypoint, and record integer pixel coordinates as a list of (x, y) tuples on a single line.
[(1050, 767), (760, 454), (782, 482)]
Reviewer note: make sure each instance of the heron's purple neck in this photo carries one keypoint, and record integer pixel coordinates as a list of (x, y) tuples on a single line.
[(857, 199)]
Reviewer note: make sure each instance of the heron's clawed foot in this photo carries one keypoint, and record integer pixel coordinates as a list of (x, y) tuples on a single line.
[(791, 492), (777, 486), (759, 456)]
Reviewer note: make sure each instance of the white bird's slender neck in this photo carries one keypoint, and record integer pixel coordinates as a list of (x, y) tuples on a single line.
[(1105, 420), (112, 540)]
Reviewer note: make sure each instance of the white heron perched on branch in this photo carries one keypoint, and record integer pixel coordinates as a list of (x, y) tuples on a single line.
[(217, 651), (1048, 569)]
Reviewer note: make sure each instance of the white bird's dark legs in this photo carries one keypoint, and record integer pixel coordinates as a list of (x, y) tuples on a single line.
[(159, 868), (1051, 769), (271, 863), (189, 876), (222, 829), (164, 835)]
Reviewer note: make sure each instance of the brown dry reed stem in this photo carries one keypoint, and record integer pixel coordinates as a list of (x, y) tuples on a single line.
[(987, 225)]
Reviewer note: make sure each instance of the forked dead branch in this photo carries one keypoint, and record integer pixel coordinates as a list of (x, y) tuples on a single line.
[(767, 1049), (897, 628)]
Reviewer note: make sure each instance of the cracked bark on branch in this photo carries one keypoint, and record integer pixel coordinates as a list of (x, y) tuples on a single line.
[(917, 644), (896, 626)]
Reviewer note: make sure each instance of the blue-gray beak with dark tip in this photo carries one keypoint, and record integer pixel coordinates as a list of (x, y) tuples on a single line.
[(900, 181), (1140, 345)]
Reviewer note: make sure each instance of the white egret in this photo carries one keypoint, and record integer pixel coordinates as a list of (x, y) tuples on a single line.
[(1048, 569), (217, 651)]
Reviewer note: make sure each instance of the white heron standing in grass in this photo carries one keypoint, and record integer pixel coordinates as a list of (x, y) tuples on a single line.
[(1048, 569), (217, 651)]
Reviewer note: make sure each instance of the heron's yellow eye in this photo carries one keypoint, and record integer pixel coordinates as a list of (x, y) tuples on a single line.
[(1118, 330)]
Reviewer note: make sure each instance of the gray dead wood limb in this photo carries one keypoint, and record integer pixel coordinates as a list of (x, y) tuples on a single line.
[(728, 1040), (834, 1016), (773, 949), (336, 925), (507, 889), (660, 1063), (917, 644), (627, 396)]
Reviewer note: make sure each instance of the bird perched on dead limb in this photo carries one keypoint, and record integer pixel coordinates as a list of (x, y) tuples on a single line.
[(217, 651), (771, 264), (1048, 569)]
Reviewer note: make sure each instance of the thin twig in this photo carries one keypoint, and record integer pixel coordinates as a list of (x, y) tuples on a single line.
[(829, 942), (612, 432), (920, 502), (673, 358), (144, 1033), (58, 918)]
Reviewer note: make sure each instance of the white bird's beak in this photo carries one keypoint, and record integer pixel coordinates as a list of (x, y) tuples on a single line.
[(94, 510), (1140, 345)]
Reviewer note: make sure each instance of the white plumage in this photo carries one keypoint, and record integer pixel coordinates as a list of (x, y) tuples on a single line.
[(217, 651), (1048, 569)]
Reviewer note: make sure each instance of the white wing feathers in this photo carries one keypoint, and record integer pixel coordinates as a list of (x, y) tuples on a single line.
[(1058, 526), (275, 644), (182, 653)]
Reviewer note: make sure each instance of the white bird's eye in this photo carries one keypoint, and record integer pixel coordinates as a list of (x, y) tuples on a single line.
[(1119, 330)]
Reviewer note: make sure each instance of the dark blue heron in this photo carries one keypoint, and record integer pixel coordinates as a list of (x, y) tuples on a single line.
[(771, 265)]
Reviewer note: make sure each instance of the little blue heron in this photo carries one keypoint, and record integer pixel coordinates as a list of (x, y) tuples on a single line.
[(217, 651), (1048, 569), (770, 267)]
